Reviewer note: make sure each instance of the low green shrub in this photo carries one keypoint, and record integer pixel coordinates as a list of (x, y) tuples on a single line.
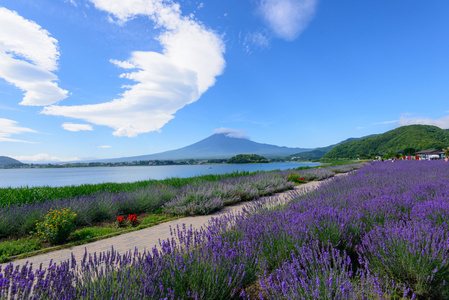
[(91, 232), (24, 245), (56, 226)]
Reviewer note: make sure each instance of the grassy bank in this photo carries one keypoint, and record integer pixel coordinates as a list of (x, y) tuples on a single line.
[(9, 196), (30, 195)]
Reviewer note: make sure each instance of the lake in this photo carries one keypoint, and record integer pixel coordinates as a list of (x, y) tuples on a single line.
[(78, 176)]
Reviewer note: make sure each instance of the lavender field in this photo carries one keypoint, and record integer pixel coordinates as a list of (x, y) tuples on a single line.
[(380, 232)]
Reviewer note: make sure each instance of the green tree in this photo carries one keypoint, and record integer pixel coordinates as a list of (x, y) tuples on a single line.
[(409, 151), (446, 152)]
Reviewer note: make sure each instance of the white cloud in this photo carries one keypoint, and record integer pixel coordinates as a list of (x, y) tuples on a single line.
[(5, 138), (72, 2), (77, 127), (408, 119), (104, 146), (10, 127), (360, 128), (192, 57), (4, 107), (43, 158), (230, 132), (28, 55), (287, 18), (255, 40), (386, 122)]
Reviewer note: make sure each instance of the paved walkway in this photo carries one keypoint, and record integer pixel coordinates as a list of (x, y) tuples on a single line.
[(149, 237)]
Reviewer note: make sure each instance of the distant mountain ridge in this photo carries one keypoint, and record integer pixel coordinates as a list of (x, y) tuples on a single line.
[(418, 137), (218, 145), (321, 151), (5, 161)]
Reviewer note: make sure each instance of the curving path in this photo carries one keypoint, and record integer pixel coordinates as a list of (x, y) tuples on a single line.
[(149, 237)]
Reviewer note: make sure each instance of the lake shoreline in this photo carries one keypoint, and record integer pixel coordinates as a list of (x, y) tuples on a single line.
[(58, 177)]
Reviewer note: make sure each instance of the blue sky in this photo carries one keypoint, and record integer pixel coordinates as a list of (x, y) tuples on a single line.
[(83, 79)]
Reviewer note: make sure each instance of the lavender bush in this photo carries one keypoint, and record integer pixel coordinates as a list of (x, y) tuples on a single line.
[(414, 252), (211, 196), (311, 174), (346, 168), (194, 204), (316, 272), (268, 184)]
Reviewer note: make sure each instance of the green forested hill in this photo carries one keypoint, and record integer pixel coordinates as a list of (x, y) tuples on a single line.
[(419, 137), (310, 155), (5, 160), (247, 159), (318, 152)]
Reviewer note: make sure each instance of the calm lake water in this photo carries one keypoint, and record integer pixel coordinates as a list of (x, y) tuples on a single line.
[(78, 176)]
